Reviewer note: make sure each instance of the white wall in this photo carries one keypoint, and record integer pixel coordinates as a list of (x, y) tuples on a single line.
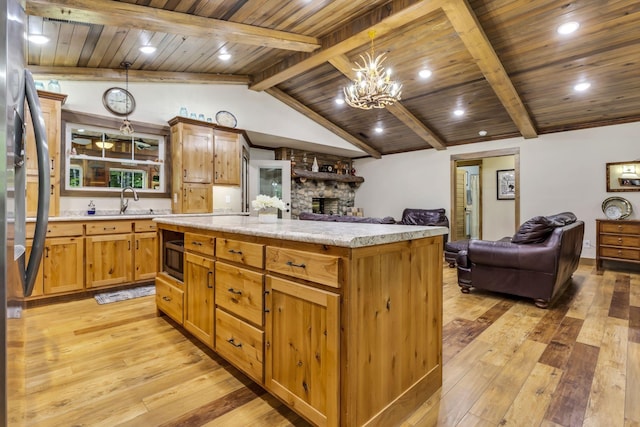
[(498, 216), (157, 103), (562, 171)]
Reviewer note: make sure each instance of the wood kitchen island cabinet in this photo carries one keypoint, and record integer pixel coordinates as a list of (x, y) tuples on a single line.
[(342, 322)]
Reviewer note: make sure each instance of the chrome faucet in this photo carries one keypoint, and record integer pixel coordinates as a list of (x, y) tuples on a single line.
[(124, 203)]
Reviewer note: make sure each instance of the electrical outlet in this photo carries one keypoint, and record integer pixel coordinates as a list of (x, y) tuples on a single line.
[(586, 243)]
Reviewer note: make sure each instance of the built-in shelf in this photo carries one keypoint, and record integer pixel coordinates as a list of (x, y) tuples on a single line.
[(302, 175)]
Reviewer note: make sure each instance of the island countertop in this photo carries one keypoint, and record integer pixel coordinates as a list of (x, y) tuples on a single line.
[(345, 234)]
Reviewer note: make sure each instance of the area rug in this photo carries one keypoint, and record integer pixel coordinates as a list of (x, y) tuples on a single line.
[(125, 294)]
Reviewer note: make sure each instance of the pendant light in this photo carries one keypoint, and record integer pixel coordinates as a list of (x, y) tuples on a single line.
[(126, 128)]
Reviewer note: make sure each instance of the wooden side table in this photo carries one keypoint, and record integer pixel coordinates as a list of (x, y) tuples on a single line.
[(617, 240)]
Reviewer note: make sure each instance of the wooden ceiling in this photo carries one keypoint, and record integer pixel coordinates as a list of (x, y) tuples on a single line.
[(501, 61)]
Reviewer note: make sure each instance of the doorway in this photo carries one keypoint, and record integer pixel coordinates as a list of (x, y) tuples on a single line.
[(476, 210)]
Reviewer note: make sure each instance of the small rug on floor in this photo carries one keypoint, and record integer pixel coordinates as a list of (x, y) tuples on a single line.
[(125, 294)]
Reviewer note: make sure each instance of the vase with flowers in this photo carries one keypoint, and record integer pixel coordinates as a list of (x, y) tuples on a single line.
[(267, 208)]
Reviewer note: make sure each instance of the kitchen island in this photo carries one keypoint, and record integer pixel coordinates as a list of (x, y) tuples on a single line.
[(341, 321)]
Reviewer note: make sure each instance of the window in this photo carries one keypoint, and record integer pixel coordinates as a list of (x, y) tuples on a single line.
[(102, 160)]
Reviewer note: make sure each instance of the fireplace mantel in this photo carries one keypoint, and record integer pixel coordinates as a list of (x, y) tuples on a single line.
[(302, 175)]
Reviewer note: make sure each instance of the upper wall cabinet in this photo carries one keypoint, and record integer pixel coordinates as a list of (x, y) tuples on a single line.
[(103, 161)]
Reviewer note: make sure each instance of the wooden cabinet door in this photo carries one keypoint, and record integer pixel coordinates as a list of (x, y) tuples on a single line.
[(227, 158), (302, 349), (109, 260), (197, 198), (145, 256), (198, 280), (51, 114), (62, 265), (38, 287), (197, 154)]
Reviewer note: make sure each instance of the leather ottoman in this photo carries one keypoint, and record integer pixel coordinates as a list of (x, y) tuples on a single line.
[(451, 250)]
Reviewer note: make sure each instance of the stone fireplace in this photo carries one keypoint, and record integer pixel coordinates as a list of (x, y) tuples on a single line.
[(321, 197)]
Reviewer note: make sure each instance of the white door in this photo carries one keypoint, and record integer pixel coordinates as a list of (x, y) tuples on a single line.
[(271, 178)]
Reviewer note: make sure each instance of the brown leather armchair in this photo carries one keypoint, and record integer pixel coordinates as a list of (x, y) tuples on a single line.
[(537, 262)]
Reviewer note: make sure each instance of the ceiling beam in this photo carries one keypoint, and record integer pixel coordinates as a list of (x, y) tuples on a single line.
[(466, 24), (109, 74), (299, 107), (385, 19), (126, 15), (342, 64)]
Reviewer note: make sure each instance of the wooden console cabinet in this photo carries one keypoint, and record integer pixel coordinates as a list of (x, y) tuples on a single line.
[(345, 336), (617, 240)]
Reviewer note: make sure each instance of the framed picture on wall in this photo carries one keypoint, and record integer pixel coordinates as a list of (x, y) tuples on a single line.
[(506, 184)]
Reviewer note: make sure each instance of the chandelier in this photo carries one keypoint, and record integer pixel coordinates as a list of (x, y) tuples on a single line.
[(126, 128), (372, 86)]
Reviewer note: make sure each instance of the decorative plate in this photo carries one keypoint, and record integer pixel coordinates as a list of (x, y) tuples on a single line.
[(616, 208), (225, 118)]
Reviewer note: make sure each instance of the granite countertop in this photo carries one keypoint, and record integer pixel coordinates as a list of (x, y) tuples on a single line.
[(351, 235), (114, 215)]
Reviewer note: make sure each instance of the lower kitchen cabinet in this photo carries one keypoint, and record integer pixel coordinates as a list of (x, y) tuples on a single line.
[(145, 256), (109, 260), (170, 297), (302, 341), (198, 282), (240, 343), (62, 265)]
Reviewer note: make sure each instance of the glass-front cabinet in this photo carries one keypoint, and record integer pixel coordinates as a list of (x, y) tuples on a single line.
[(104, 160)]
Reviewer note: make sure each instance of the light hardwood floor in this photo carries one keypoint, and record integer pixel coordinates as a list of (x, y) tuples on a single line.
[(506, 362)]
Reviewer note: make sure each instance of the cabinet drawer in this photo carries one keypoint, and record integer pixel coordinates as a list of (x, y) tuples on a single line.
[(58, 229), (240, 343), (108, 227), (631, 254), (144, 225), (242, 252), (169, 299), (324, 269), (620, 240), (624, 228), (240, 291), (199, 243)]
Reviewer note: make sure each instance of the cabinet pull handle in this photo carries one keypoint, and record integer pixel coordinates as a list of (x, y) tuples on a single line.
[(233, 342), (196, 243), (129, 244), (184, 174), (108, 228), (292, 264), (209, 275), (53, 164), (46, 255), (51, 190), (166, 298), (233, 251), (233, 291), (137, 244)]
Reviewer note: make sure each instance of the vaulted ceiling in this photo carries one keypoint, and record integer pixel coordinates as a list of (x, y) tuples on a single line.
[(501, 61)]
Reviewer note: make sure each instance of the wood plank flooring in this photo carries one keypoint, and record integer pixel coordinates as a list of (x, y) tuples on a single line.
[(506, 363)]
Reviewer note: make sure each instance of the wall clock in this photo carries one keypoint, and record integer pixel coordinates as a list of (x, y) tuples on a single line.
[(118, 101)]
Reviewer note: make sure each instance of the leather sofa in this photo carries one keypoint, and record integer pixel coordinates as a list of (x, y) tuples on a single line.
[(432, 217), (537, 262)]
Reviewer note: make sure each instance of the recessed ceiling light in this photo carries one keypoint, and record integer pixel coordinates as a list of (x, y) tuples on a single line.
[(147, 49), (458, 112), (339, 101), (568, 27), (38, 38), (482, 133), (224, 56), (378, 129), (425, 74), (580, 87)]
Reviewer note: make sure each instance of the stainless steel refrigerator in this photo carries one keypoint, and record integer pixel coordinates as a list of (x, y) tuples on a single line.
[(17, 275)]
